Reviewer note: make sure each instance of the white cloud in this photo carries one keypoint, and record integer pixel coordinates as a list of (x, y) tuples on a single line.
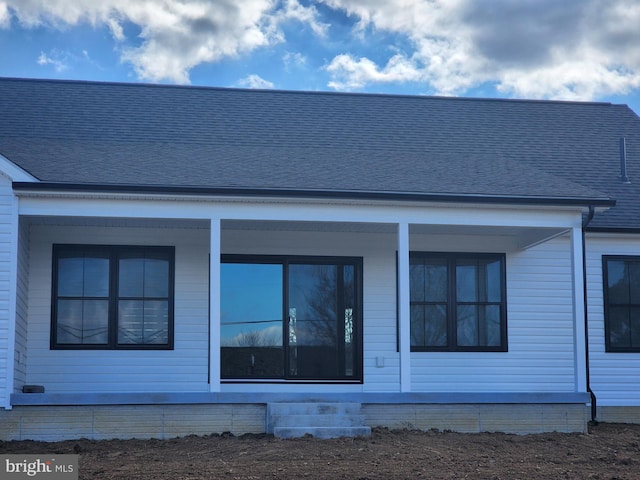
[(574, 49), (176, 35), (307, 15), (56, 59), (255, 81), (354, 73), (295, 59), (5, 17)]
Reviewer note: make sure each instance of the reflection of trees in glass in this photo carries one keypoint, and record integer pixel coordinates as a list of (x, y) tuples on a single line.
[(314, 297), (321, 299), (428, 294), (478, 295), (321, 320), (459, 294), (267, 337), (348, 325), (429, 325)]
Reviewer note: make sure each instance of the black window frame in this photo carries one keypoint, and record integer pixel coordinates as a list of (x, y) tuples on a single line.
[(358, 328), (450, 259), (607, 304), (113, 253)]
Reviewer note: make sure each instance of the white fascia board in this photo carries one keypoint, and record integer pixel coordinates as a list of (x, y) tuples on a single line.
[(303, 211), (14, 172)]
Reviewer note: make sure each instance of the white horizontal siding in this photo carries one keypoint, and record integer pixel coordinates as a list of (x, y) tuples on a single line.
[(615, 377), (540, 315), (540, 329), (183, 369)]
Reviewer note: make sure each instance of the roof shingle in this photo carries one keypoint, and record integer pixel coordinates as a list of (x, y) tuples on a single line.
[(196, 137)]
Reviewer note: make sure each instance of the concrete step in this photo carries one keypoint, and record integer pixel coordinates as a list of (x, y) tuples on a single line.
[(320, 419), (314, 408), (321, 432)]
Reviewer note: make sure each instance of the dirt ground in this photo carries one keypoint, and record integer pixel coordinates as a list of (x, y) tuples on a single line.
[(609, 451)]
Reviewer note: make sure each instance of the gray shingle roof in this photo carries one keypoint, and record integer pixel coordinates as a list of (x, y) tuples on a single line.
[(138, 135)]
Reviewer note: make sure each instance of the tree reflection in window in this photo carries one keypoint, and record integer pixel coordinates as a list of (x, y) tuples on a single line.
[(318, 337), (457, 301)]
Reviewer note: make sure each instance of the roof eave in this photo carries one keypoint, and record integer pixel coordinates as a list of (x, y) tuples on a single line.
[(313, 194), (614, 230)]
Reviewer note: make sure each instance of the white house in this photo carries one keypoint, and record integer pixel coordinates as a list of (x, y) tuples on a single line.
[(179, 260)]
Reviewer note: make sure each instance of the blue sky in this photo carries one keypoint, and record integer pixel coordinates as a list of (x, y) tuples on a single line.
[(537, 49)]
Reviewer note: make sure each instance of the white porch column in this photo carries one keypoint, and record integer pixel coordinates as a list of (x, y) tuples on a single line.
[(11, 297), (404, 307), (578, 310), (214, 306)]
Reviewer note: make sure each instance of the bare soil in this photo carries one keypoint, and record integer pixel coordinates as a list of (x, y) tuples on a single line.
[(608, 451)]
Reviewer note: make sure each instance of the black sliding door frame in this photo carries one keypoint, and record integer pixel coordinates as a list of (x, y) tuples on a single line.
[(341, 263)]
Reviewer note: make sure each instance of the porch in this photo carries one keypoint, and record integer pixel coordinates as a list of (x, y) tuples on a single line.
[(537, 358)]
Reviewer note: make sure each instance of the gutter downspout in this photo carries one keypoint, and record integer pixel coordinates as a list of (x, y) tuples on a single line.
[(585, 223)]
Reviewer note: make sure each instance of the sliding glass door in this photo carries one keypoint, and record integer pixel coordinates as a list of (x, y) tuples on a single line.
[(251, 320), (320, 328), (291, 318)]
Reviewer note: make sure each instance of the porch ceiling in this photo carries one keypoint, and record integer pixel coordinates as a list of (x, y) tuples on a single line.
[(520, 237)]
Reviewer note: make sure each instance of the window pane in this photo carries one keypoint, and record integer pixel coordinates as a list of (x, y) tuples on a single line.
[(156, 277), (417, 326), (618, 281), (313, 297), (83, 277), (251, 320), (143, 322), (619, 331), (479, 325), (436, 281), (156, 322), (71, 277), (349, 274), (82, 322), (428, 281), (436, 326), (144, 277), (634, 282), (466, 282), (131, 277), (491, 326), (428, 326), (349, 305), (416, 282), (493, 282), (251, 304), (467, 326)]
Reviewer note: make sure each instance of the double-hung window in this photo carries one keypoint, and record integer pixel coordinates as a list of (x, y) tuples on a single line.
[(622, 303), (108, 297), (458, 302)]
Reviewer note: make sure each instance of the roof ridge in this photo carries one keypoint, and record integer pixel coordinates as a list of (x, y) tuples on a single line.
[(307, 92)]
